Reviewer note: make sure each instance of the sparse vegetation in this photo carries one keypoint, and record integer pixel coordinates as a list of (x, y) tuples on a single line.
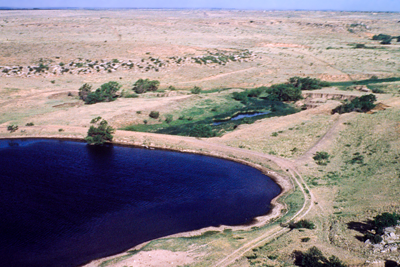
[(12, 128)]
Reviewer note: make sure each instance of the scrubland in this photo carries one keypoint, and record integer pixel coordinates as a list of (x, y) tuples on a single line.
[(225, 51)]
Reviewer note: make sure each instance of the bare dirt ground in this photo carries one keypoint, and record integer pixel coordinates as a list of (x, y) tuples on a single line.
[(282, 45)]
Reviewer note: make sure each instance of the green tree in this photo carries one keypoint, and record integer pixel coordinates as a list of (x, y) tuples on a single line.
[(106, 93), (142, 86), (99, 134), (284, 92), (361, 104), (307, 83)]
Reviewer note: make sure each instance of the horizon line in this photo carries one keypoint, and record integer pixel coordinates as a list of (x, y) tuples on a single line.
[(188, 8)]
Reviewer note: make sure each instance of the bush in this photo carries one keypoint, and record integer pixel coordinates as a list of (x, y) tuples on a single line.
[(196, 90), (12, 128), (154, 114), (202, 130), (321, 158), (284, 92), (100, 134), (385, 220), (302, 224), (360, 104), (308, 83), (29, 124), (381, 37), (106, 93), (142, 86), (242, 96)]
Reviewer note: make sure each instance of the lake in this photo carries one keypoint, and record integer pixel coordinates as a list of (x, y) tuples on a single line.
[(64, 203)]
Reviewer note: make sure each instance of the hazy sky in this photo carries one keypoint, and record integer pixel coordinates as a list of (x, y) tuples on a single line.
[(354, 5)]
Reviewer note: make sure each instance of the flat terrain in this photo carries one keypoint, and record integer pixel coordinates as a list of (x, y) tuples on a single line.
[(46, 56)]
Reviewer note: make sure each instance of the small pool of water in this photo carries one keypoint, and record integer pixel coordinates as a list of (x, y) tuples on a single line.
[(242, 116)]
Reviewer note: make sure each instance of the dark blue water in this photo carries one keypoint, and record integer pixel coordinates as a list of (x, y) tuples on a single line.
[(64, 203), (243, 115)]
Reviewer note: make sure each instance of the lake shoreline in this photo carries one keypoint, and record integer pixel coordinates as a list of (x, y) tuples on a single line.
[(277, 207)]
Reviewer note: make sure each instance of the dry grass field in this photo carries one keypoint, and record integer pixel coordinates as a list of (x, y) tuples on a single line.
[(255, 48)]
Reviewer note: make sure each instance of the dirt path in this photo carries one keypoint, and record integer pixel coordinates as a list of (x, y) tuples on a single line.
[(217, 76), (324, 141)]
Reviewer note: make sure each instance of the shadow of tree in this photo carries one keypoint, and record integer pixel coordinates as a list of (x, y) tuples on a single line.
[(361, 227), (389, 263)]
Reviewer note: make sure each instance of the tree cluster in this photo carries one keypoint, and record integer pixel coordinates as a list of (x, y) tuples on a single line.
[(106, 93), (360, 104), (142, 86), (99, 133), (308, 83)]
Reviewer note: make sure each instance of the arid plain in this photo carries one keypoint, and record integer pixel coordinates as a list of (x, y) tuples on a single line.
[(47, 55)]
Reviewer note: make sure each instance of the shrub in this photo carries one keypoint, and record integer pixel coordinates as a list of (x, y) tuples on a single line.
[(284, 92), (360, 46), (142, 86), (29, 124), (196, 90), (106, 93), (61, 130), (308, 83), (100, 134), (302, 224), (12, 128), (360, 104), (385, 220), (95, 120), (154, 114), (202, 130), (242, 96), (321, 158), (381, 37)]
